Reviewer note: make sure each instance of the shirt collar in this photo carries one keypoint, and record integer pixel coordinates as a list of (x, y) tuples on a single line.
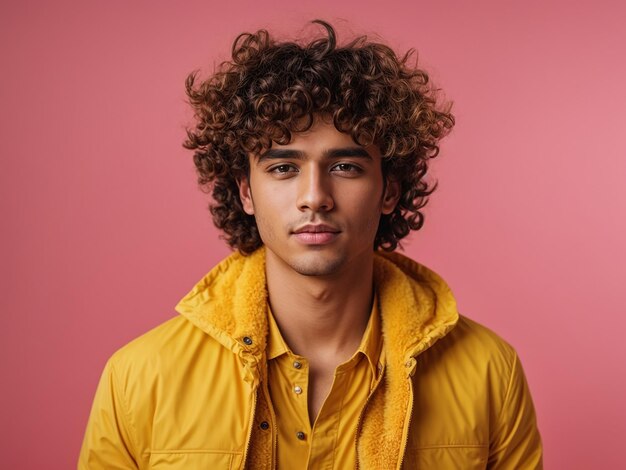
[(371, 343), (276, 345)]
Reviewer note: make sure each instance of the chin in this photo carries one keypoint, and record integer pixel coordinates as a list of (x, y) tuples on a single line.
[(317, 265)]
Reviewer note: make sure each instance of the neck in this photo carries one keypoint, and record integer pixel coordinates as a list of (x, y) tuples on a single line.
[(321, 317)]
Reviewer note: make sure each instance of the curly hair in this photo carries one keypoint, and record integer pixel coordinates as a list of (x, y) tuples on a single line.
[(271, 89)]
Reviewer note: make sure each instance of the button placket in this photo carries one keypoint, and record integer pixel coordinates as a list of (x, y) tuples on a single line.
[(299, 375)]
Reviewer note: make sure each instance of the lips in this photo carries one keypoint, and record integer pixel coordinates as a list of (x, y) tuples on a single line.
[(318, 234), (316, 228)]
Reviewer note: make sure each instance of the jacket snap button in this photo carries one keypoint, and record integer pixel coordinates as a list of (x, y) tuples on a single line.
[(300, 435), (297, 364), (247, 340), (297, 389), (264, 425)]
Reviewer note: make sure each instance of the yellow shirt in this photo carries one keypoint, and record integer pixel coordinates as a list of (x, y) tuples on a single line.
[(330, 443)]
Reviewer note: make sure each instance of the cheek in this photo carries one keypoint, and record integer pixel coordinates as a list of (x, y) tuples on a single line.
[(267, 218), (369, 206), (265, 228)]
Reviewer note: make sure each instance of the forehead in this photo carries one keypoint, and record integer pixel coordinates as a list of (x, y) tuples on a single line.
[(322, 139)]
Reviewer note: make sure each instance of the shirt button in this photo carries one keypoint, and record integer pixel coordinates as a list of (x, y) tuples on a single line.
[(247, 340), (297, 389), (300, 435), (264, 425), (297, 364)]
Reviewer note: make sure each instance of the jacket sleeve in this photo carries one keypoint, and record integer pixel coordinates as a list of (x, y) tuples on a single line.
[(108, 440), (515, 442)]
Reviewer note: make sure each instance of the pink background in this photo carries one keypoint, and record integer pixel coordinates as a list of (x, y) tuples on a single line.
[(104, 229)]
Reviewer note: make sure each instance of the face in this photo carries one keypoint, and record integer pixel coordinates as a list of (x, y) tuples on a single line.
[(318, 200)]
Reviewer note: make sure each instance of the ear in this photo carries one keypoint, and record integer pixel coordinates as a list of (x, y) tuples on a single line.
[(245, 194), (391, 196)]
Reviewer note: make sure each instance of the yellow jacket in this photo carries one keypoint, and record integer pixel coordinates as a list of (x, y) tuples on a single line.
[(191, 393)]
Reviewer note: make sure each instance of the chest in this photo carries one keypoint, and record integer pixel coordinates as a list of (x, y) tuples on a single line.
[(319, 386), (317, 411)]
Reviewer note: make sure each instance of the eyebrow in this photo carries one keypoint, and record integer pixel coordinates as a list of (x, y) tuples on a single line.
[(358, 152)]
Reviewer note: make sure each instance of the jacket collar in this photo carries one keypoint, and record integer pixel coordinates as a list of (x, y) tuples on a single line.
[(230, 304), (417, 309), (417, 306)]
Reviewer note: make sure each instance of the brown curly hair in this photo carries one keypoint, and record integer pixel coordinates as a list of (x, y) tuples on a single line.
[(270, 89)]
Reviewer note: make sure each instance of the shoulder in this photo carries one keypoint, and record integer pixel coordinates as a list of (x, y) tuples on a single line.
[(160, 340), (470, 397), (473, 350), (471, 365), (167, 360), (169, 346), (161, 376), (470, 334)]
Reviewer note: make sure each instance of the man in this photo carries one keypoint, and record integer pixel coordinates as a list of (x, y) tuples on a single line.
[(315, 345)]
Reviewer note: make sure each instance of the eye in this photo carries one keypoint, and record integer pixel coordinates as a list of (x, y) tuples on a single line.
[(283, 169), (347, 168)]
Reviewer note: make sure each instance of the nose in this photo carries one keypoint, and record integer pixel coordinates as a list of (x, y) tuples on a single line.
[(314, 192)]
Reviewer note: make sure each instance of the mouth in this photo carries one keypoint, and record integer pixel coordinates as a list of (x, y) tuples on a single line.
[(318, 234), (316, 228)]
